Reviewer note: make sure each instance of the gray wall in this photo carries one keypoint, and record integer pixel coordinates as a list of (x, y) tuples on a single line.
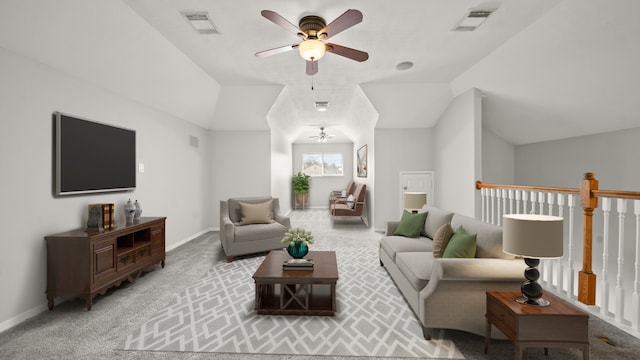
[(398, 150), (458, 154), (176, 182), (498, 159), (321, 186), (614, 158), (241, 166)]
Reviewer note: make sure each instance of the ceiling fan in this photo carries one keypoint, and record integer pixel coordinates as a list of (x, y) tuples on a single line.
[(323, 136), (315, 32)]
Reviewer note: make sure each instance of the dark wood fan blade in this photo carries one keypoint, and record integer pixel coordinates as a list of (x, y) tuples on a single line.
[(350, 53), (277, 50), (343, 22), (312, 67), (280, 21)]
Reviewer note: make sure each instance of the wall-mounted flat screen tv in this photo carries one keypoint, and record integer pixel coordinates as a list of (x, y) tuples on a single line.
[(91, 157)]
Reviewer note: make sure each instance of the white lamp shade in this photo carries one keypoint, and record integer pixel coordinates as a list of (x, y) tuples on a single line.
[(532, 236), (414, 200), (312, 50)]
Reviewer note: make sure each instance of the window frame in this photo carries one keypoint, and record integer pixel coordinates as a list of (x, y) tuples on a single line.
[(322, 162)]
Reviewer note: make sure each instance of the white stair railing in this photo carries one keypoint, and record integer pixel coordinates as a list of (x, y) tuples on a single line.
[(559, 275)]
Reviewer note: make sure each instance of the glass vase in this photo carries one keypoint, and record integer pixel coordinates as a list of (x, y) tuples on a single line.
[(298, 250)]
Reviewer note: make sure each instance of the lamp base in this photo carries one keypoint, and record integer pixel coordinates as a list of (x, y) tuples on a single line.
[(526, 301)]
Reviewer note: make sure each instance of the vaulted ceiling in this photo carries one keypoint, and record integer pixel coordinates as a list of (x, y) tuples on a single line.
[(549, 68)]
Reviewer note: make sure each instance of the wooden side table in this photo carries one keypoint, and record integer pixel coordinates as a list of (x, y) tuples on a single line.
[(556, 325)]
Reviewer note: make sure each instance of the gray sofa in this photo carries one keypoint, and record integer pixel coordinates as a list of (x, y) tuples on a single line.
[(449, 293), (237, 239)]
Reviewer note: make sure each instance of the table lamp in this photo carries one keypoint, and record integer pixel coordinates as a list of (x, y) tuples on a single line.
[(414, 200), (532, 237)]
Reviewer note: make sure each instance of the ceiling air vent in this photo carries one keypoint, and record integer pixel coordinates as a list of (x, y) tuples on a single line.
[(201, 22), (472, 20)]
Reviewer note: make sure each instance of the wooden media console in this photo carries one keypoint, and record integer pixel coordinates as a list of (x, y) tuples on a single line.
[(83, 264)]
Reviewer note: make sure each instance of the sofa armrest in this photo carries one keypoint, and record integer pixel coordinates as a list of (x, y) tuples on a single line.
[(391, 227), (284, 220), (475, 269), (226, 232)]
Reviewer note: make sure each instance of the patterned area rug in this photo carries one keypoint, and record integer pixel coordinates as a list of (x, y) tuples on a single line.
[(216, 313)]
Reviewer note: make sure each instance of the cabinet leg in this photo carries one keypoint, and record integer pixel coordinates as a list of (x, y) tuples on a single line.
[(162, 264), (89, 304), (50, 302)]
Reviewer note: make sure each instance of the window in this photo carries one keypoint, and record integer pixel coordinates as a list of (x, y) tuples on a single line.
[(322, 164)]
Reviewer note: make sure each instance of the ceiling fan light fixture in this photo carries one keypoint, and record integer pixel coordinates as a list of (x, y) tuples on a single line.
[(312, 49)]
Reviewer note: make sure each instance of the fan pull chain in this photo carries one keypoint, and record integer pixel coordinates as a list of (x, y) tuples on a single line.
[(312, 82)]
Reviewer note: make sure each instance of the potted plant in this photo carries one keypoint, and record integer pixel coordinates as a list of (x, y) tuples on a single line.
[(300, 183)]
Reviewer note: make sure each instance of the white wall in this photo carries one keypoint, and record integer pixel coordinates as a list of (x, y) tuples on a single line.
[(398, 150), (241, 166), (458, 154), (281, 169), (498, 159), (175, 184), (321, 186)]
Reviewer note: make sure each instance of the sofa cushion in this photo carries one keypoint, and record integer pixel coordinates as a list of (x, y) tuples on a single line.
[(461, 245), (488, 239), (416, 267), (259, 232), (396, 244), (441, 239), (437, 217), (234, 206), (411, 224), (256, 213)]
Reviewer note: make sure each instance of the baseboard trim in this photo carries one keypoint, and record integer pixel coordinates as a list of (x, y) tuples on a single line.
[(20, 318), (186, 240)]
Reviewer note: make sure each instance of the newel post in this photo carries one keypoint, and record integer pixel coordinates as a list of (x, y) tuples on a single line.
[(586, 277)]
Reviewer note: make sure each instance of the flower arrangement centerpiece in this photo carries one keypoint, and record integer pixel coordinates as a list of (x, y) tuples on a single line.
[(297, 241)]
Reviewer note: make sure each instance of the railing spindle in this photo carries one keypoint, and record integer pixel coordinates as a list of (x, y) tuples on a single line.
[(636, 283), (622, 210), (571, 285), (604, 282)]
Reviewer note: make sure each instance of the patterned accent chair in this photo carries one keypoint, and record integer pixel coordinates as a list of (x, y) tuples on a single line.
[(343, 208), (238, 239)]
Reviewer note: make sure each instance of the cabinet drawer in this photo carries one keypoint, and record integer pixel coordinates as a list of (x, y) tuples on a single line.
[(143, 254), (125, 260)]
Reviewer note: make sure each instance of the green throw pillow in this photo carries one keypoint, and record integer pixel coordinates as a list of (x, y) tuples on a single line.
[(461, 245), (411, 224)]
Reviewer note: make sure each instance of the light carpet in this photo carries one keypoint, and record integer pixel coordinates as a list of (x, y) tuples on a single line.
[(216, 313)]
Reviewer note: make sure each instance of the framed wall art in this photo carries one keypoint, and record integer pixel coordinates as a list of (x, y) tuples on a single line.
[(362, 161)]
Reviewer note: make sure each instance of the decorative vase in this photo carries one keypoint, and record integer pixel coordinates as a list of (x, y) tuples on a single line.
[(298, 250), (138, 212), (129, 211)]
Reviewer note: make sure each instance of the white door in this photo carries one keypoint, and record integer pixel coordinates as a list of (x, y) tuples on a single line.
[(417, 181)]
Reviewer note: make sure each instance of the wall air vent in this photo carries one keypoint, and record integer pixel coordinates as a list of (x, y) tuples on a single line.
[(472, 20), (201, 22)]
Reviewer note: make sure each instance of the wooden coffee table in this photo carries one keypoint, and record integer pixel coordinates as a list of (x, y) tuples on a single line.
[(296, 292)]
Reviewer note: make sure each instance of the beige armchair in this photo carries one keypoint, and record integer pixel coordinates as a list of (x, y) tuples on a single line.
[(251, 225)]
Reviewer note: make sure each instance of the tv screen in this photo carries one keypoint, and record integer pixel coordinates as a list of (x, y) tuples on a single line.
[(91, 157)]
